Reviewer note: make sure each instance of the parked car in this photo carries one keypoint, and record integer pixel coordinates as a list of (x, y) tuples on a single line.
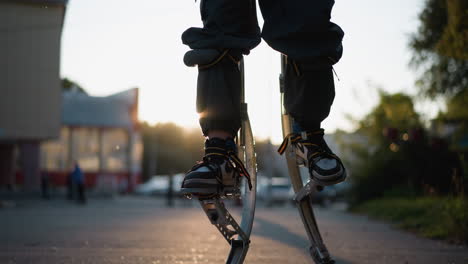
[(275, 191), (324, 197), (159, 184), (331, 194)]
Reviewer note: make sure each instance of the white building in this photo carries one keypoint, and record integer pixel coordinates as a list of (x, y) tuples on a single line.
[(102, 135)]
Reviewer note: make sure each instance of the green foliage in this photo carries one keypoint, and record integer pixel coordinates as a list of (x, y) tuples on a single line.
[(376, 172), (433, 217), (401, 162), (393, 111), (440, 51), (456, 117), (456, 213), (440, 47), (457, 109), (454, 39), (69, 85), (384, 162), (398, 154)]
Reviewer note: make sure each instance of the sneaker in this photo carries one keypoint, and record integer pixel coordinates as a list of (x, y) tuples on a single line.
[(312, 151), (219, 171)]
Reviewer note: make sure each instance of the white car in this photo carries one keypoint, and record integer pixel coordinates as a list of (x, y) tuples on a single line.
[(275, 191), (159, 184)]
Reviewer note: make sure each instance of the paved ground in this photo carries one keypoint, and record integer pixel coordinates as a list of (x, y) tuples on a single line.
[(135, 230)]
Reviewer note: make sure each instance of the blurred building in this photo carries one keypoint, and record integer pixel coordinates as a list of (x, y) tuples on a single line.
[(30, 92), (102, 135)]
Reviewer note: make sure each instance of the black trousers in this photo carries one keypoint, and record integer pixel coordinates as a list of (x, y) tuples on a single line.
[(300, 29), (81, 192)]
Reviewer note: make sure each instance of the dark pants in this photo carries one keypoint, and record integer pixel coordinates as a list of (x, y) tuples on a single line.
[(300, 29), (81, 192)]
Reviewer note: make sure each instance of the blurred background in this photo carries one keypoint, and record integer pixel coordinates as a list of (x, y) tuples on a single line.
[(101, 85)]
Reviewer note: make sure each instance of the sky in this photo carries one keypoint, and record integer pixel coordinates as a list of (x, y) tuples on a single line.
[(113, 45)]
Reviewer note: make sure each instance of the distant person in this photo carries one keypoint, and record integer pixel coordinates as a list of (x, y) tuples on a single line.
[(45, 185), (78, 181), (312, 44)]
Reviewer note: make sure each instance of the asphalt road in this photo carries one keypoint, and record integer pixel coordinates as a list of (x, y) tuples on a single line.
[(135, 230)]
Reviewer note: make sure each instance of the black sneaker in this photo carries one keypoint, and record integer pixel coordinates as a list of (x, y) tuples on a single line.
[(312, 151), (219, 171)]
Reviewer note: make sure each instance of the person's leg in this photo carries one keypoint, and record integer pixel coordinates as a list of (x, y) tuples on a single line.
[(227, 25), (301, 29), (229, 31), (80, 190), (308, 94), (218, 98)]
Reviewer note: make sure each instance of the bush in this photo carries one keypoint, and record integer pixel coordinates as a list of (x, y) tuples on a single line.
[(456, 212), (412, 167), (432, 217)]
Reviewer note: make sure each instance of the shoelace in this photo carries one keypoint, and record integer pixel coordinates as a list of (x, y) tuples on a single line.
[(232, 157), (294, 138)]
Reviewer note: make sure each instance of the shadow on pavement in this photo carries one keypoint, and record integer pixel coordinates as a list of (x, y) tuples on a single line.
[(279, 233)]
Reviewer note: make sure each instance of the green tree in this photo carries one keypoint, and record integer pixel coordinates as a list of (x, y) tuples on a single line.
[(440, 47), (69, 85), (399, 158), (394, 112), (457, 110), (456, 117)]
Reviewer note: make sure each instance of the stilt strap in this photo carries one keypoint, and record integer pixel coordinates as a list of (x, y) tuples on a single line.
[(293, 138), (232, 157), (217, 60)]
